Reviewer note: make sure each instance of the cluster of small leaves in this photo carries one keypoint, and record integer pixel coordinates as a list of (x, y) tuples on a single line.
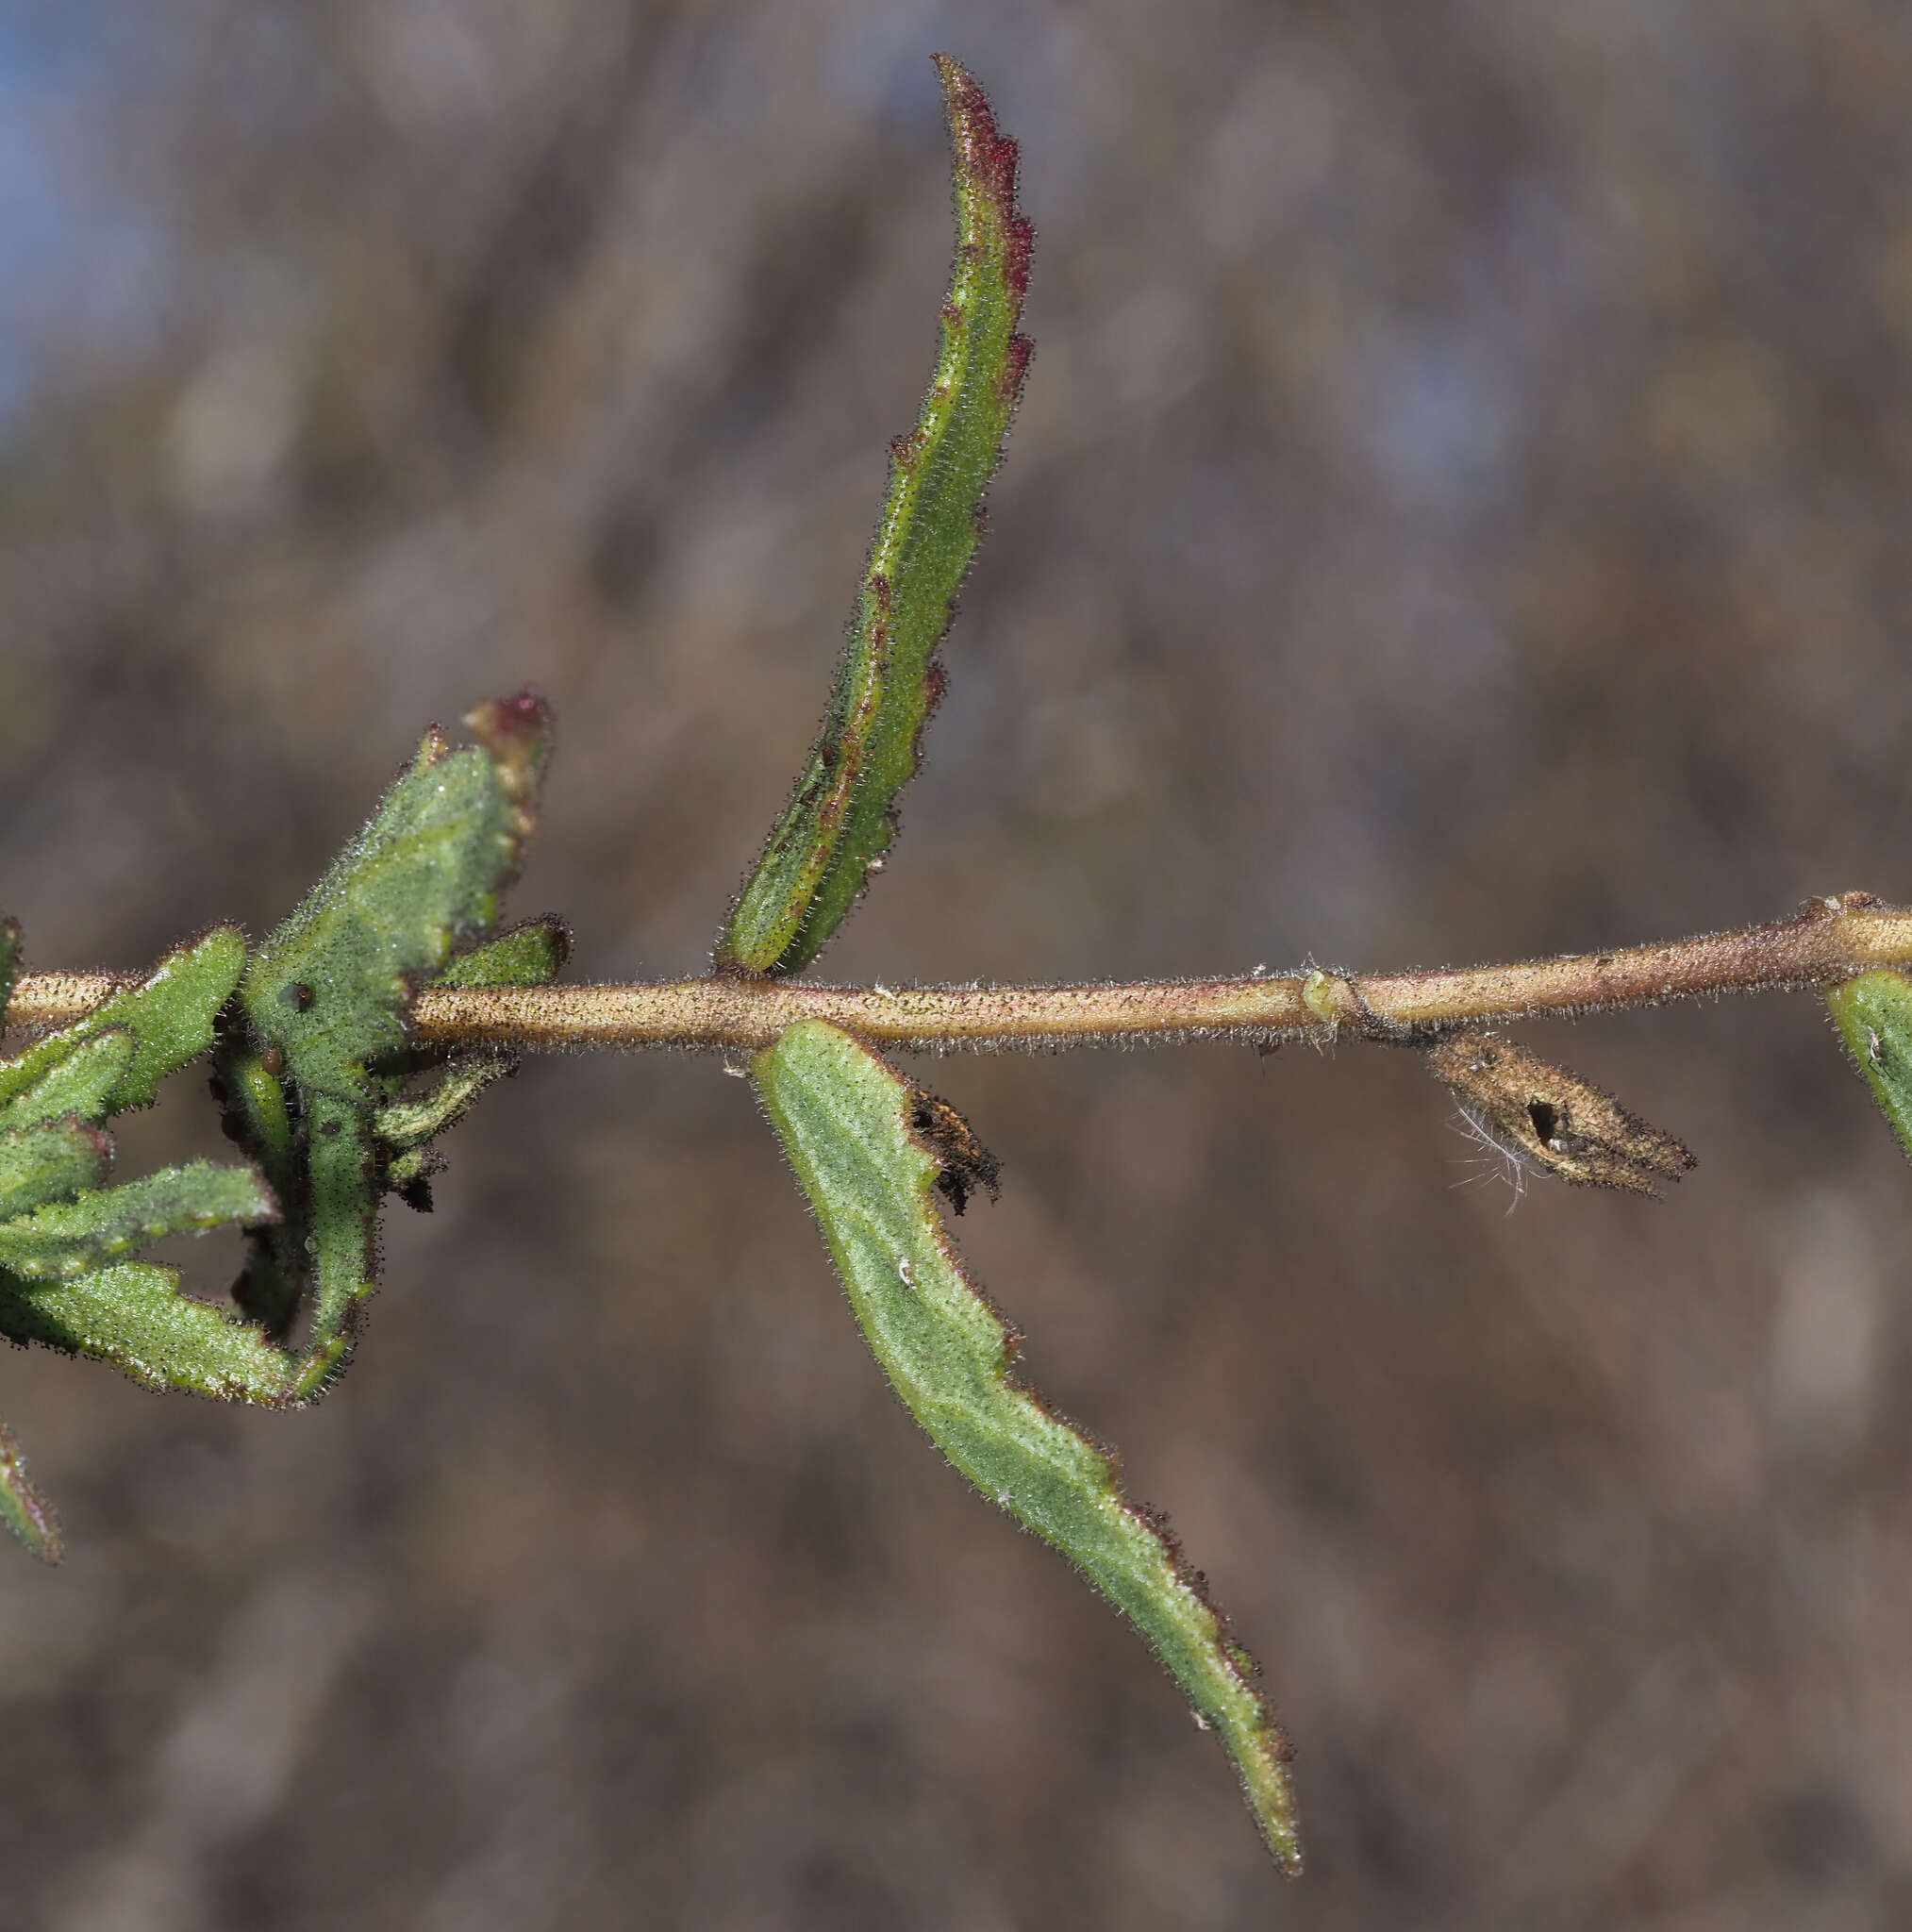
[(319, 1085), (67, 1276)]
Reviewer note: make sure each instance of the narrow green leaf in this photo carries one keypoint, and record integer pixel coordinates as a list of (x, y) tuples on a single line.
[(1873, 1014), (79, 1082), (342, 1206), (22, 1508), (51, 1160), (257, 1115), (168, 1016), (842, 816), (846, 1122), (528, 955), (134, 1317), (66, 1238), (406, 1122)]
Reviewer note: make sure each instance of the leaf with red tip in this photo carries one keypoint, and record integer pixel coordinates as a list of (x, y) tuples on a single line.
[(842, 816), (517, 732)]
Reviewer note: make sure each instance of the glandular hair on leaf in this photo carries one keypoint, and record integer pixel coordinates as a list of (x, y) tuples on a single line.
[(1551, 1121)]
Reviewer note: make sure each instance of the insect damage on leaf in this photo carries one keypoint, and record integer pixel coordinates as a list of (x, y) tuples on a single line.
[(966, 1164), (849, 1126), (842, 816), (1553, 1122)]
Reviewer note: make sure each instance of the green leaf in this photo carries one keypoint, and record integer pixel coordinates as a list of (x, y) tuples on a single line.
[(168, 1016), (1873, 1014), (330, 987), (840, 818), (22, 1508), (72, 1238), (406, 1122), (134, 1317), (532, 953), (528, 955), (846, 1122), (325, 1001), (342, 1206), (49, 1161), (79, 1082), (253, 1099)]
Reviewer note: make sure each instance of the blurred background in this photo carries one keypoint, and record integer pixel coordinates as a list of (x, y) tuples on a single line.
[(1459, 512)]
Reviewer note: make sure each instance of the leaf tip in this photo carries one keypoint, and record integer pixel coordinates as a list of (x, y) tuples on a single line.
[(24, 1509), (986, 160), (517, 732)]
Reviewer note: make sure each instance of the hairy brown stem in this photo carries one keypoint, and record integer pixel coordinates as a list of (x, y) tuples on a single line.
[(1830, 940)]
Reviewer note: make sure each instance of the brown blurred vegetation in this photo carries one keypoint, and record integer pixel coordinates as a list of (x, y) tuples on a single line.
[(1460, 511)]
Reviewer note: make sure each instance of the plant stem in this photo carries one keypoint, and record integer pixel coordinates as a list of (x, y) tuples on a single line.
[(1829, 941)]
